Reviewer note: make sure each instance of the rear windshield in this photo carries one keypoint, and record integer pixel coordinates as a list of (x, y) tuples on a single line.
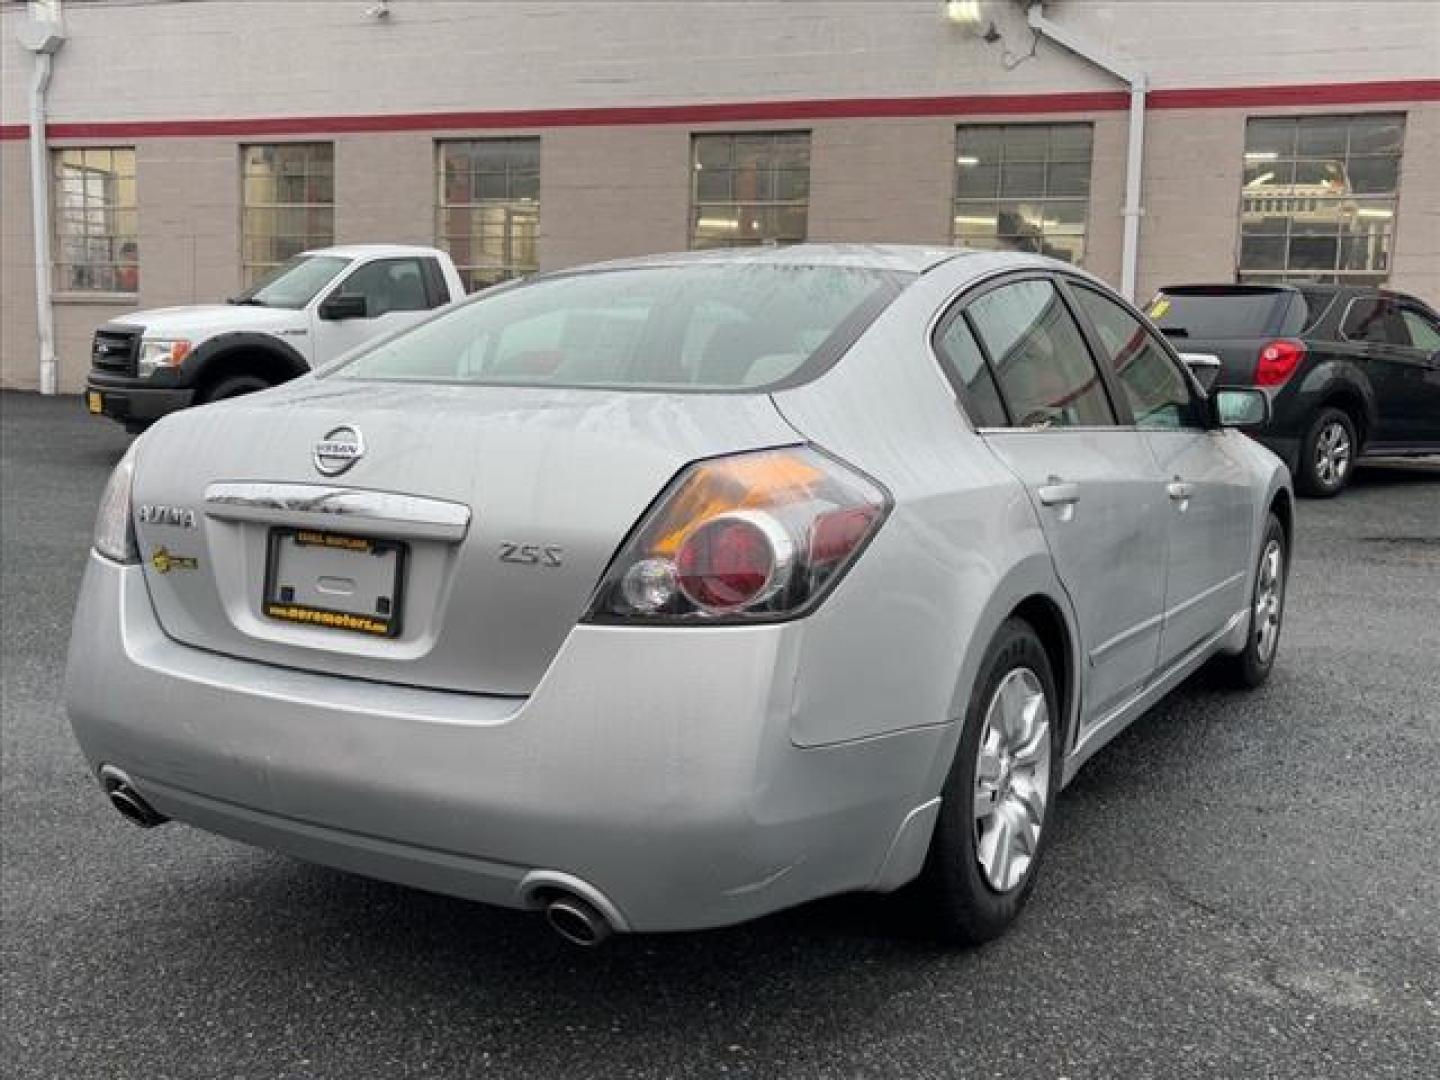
[(1218, 312), (720, 326)]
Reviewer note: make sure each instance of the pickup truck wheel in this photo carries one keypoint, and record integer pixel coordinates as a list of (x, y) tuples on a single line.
[(999, 798), (1328, 453), (233, 386)]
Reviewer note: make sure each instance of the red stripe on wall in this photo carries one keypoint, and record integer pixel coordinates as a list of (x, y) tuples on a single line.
[(1367, 93)]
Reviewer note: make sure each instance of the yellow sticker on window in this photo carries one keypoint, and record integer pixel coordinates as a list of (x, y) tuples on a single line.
[(1159, 306)]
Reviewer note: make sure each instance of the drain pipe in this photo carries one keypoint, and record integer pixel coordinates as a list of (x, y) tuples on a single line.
[(41, 34), (1135, 156)]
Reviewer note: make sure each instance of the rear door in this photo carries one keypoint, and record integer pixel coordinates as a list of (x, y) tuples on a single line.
[(1207, 486), (1094, 483), (1393, 335)]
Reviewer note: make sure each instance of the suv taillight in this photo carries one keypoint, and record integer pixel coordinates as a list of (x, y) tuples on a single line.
[(1278, 361), (752, 537)]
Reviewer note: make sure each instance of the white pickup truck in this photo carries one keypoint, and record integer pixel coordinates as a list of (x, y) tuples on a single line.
[(310, 310)]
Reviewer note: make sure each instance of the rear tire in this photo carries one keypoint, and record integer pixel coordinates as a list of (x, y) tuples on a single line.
[(1328, 453), (1251, 667), (233, 386), (998, 799)]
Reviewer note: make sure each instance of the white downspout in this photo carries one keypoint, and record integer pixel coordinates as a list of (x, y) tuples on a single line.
[(40, 215), (42, 35), (1135, 155)]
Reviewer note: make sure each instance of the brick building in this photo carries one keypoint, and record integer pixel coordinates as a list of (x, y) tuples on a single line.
[(191, 145)]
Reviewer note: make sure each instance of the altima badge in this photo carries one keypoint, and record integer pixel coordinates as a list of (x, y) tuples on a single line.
[(180, 516), (338, 450)]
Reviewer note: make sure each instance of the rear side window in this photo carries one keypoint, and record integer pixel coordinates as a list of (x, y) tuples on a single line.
[(691, 326), (1158, 394), (1046, 373), (1374, 320), (965, 363), (1424, 332), (1219, 312)]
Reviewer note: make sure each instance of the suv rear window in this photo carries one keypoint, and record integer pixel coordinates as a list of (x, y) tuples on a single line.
[(688, 326), (1217, 312)]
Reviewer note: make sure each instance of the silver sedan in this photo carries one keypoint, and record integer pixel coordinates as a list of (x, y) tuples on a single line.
[(662, 594)]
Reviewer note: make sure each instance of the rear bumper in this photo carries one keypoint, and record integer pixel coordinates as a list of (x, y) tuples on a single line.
[(129, 402), (654, 767)]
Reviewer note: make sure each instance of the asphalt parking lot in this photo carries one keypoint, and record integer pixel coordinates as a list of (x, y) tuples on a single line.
[(1241, 886)]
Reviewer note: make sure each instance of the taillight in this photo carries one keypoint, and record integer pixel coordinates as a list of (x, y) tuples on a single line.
[(751, 537), (1278, 361)]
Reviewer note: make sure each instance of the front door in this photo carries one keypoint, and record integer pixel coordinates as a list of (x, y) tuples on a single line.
[(1208, 511), (1094, 485), (396, 295)]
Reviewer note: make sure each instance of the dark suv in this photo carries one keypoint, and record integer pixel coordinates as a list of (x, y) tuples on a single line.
[(1351, 371)]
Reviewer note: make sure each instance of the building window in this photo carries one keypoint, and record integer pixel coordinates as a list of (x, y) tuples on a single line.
[(488, 207), (1319, 197), (288, 203), (749, 189), (1023, 187), (96, 247)]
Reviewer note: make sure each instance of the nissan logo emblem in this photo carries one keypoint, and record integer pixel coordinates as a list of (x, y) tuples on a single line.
[(338, 450)]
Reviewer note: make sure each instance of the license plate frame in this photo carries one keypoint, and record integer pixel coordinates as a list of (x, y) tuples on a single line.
[(303, 545)]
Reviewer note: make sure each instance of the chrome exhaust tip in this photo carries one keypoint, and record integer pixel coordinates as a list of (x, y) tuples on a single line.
[(577, 921), (128, 802)]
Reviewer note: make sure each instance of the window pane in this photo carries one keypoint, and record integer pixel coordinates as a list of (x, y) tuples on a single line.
[(93, 197), (1319, 189), (1269, 138), (963, 359), (976, 180), (1377, 134), (1069, 179), (1045, 369), (489, 201), (975, 219), (1321, 136), (287, 197), (748, 189), (1027, 142), (1158, 394), (1262, 252), (1374, 175), (1022, 180), (1023, 187), (1423, 333), (1314, 252)]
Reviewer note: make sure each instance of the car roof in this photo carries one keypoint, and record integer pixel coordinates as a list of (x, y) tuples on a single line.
[(915, 258), (365, 251)]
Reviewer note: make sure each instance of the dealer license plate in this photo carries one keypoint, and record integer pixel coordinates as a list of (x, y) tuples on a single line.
[(337, 582)]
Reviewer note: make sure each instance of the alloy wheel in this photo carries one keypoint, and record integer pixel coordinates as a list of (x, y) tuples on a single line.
[(1269, 601), (1012, 779), (1332, 453)]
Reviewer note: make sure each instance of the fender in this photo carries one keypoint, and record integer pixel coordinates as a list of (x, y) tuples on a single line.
[(1033, 576), (1326, 379), (200, 360)]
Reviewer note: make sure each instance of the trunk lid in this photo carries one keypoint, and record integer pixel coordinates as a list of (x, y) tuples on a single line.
[(552, 479)]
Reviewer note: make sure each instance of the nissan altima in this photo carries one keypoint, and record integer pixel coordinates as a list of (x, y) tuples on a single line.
[(662, 594)]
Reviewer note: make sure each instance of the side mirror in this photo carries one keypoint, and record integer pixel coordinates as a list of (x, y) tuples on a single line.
[(345, 306), (1204, 366), (1241, 407)]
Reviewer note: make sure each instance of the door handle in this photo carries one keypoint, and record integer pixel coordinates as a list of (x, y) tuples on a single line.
[(1059, 492)]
